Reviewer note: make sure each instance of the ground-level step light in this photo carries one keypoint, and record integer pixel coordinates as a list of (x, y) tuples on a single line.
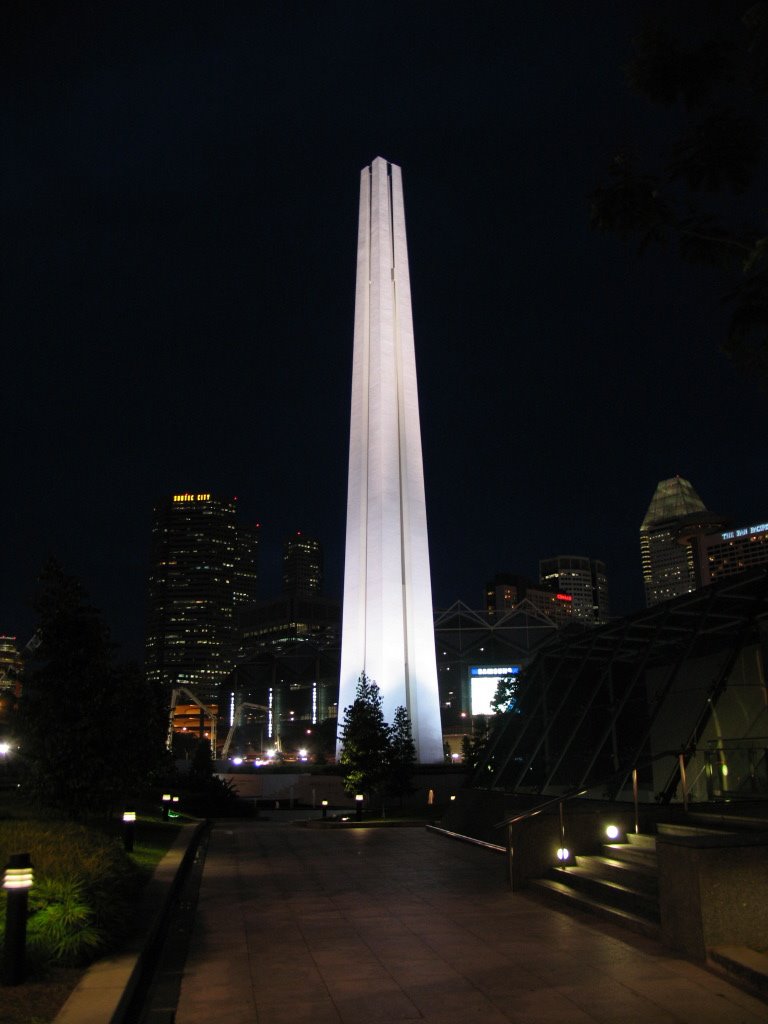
[(17, 881)]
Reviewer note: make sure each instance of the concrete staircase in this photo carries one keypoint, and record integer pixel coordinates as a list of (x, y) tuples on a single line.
[(620, 884)]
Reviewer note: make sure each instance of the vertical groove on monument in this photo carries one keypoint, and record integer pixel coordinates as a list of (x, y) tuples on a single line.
[(388, 628)]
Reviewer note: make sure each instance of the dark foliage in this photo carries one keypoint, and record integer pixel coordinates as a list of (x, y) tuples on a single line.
[(401, 759), (365, 740), (92, 730), (377, 759), (203, 793), (707, 65)]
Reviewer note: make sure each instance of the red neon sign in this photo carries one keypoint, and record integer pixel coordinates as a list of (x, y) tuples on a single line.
[(563, 597)]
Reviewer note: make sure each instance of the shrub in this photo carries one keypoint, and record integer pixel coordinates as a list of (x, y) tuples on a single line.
[(80, 903)]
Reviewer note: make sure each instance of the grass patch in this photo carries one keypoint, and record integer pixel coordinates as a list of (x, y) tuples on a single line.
[(83, 903)]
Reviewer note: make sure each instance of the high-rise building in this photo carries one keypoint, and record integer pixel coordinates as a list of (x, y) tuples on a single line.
[(302, 566), (193, 589), (508, 590), (669, 561), (583, 580), (246, 565), (11, 664), (387, 629), (731, 552)]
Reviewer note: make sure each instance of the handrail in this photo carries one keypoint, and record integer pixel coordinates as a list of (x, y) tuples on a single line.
[(533, 811), (563, 797)]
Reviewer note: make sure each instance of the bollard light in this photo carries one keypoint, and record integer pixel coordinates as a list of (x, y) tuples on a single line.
[(129, 828), (175, 812), (19, 873), (166, 805), (17, 881), (359, 801), (324, 805)]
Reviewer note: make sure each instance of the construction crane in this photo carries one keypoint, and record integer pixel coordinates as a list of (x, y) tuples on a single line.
[(236, 723)]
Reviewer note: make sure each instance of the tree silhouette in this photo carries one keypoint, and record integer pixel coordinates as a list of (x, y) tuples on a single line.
[(703, 189), (92, 730), (401, 760), (365, 740)]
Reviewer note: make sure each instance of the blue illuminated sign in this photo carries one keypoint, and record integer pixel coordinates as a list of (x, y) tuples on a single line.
[(745, 531), (496, 672)]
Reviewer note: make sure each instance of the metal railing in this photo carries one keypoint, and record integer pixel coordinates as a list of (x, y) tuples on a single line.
[(562, 799)]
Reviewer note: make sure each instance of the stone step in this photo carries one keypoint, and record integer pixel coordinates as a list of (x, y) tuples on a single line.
[(643, 855), (641, 841), (591, 881), (641, 877), (731, 822), (747, 967), (688, 829), (555, 891)]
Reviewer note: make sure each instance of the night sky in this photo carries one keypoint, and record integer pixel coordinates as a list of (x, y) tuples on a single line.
[(179, 203)]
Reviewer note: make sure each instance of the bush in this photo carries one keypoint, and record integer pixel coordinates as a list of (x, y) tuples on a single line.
[(80, 903)]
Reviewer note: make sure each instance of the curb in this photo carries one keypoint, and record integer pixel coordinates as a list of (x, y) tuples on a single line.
[(105, 992)]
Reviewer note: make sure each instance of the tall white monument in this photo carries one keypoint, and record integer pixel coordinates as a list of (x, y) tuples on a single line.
[(388, 630)]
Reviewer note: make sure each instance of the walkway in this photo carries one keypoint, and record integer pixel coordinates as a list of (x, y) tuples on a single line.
[(378, 926)]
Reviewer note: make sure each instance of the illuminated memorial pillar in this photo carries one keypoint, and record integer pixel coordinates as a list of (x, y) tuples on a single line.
[(388, 630)]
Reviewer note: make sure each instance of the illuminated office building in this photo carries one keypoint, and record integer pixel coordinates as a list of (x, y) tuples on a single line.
[(507, 591), (668, 558), (246, 565), (583, 580), (731, 552), (302, 566), (11, 664), (201, 567)]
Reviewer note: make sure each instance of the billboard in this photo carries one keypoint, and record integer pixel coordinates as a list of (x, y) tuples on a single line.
[(483, 680)]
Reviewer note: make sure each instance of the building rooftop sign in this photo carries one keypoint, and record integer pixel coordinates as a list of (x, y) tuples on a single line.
[(746, 531)]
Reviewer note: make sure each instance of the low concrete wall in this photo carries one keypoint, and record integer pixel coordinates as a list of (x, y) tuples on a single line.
[(307, 789), (104, 993), (713, 891), (534, 841)]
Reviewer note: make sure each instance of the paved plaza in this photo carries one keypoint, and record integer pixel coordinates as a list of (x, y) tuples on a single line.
[(297, 925)]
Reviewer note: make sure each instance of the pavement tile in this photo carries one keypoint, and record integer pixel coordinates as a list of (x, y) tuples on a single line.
[(384, 926), (693, 1003), (295, 1010), (365, 1009), (549, 1007), (608, 1002)]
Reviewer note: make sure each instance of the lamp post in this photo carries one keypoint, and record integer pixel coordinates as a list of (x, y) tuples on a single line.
[(324, 805), (129, 829), (359, 803), (166, 805), (175, 804), (17, 881)]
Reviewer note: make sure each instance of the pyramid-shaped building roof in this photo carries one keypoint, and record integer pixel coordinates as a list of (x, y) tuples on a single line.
[(672, 499)]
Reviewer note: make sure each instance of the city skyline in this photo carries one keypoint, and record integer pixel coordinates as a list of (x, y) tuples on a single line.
[(180, 206)]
